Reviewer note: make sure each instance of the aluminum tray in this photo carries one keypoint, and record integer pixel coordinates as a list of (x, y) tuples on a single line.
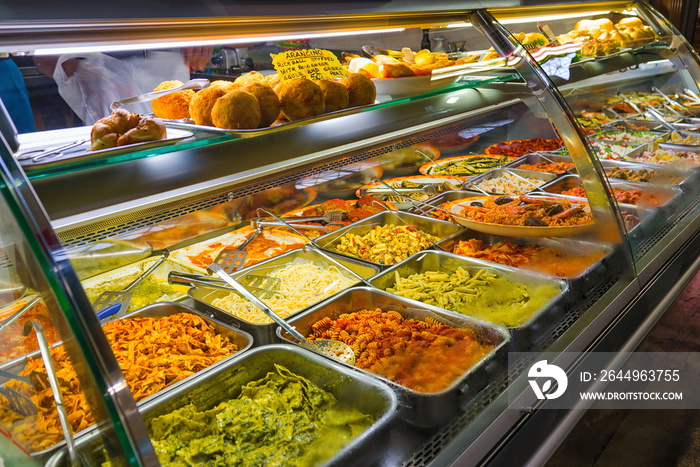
[(523, 337), (631, 124), (441, 229), (495, 173), (664, 194), (127, 273), (418, 408), (188, 124), (349, 386), (242, 339), (265, 333), (665, 175), (535, 157), (595, 274), (602, 135)]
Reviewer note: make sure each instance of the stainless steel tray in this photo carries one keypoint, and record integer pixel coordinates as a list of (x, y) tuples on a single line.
[(536, 157), (603, 135), (349, 386), (596, 273), (523, 337), (265, 333), (665, 175), (664, 194), (242, 340), (631, 124), (441, 229), (495, 173), (106, 281), (188, 124), (418, 408), (81, 153)]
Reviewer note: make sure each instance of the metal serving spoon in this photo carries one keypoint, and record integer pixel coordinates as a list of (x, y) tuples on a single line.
[(329, 347)]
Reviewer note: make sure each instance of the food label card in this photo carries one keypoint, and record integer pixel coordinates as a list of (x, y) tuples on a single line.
[(308, 63)]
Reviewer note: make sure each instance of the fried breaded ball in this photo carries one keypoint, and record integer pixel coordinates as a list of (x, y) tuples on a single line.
[(203, 102), (272, 80), (335, 95), (301, 98), (360, 88), (268, 101), (229, 85), (252, 77), (175, 105), (236, 110)]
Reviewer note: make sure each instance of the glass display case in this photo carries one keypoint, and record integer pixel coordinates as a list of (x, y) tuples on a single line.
[(552, 157)]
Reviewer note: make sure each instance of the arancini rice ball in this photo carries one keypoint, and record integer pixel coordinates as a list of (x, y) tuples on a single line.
[(236, 110), (268, 101), (300, 98), (230, 85), (335, 95), (203, 102), (172, 106), (250, 77), (361, 89)]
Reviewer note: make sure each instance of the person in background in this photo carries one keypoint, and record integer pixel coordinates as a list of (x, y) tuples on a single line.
[(90, 82), (14, 95)]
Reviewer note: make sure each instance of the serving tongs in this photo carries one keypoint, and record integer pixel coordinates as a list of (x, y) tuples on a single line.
[(674, 105), (38, 154), (329, 347), (17, 314), (656, 116), (331, 219), (691, 96), (264, 286), (110, 305), (428, 189), (149, 96), (45, 351)]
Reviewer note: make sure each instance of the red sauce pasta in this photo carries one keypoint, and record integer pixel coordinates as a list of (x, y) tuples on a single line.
[(426, 356)]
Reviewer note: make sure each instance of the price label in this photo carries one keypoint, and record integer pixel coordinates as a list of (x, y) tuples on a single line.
[(308, 63)]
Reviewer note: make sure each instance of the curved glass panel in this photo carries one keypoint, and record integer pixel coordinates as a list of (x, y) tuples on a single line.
[(55, 386)]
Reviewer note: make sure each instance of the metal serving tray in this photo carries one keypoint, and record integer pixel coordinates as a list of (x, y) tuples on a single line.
[(632, 125), (128, 273), (418, 408), (265, 333), (349, 386), (603, 135), (536, 157), (523, 337), (438, 228), (665, 175), (242, 339), (662, 193), (495, 173), (578, 284)]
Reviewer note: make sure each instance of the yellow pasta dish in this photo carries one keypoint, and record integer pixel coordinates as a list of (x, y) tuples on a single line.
[(302, 284), (386, 244), (484, 294)]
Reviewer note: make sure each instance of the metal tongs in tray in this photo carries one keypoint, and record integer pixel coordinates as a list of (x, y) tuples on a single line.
[(264, 286), (233, 259), (115, 304), (429, 189)]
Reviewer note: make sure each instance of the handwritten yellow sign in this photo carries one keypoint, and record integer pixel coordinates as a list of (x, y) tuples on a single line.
[(307, 63)]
